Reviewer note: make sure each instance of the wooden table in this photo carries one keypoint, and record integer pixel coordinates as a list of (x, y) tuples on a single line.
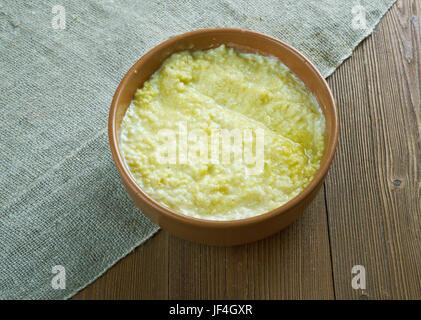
[(368, 213)]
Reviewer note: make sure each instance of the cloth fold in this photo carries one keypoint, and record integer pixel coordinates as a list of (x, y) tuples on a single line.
[(62, 202)]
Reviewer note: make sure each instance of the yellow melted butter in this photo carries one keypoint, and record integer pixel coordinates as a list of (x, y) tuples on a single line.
[(221, 88)]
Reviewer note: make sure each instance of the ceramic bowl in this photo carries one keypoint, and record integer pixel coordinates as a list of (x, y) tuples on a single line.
[(236, 231)]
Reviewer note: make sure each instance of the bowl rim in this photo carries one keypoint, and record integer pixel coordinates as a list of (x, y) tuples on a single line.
[(124, 170)]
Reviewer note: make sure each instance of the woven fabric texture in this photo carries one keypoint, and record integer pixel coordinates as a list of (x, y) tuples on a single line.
[(61, 199)]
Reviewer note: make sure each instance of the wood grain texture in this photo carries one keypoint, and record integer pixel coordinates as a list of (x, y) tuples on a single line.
[(369, 212), (373, 189)]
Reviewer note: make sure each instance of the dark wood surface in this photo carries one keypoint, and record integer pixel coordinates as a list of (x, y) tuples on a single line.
[(368, 213)]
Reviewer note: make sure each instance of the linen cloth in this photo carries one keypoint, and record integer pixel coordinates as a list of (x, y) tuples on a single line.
[(62, 201)]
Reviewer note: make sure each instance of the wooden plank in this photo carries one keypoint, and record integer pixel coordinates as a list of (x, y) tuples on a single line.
[(373, 189), (196, 271), (292, 264)]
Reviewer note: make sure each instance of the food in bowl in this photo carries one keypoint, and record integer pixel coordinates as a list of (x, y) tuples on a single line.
[(253, 99)]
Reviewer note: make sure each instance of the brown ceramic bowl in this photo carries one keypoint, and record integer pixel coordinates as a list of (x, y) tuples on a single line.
[(236, 231)]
